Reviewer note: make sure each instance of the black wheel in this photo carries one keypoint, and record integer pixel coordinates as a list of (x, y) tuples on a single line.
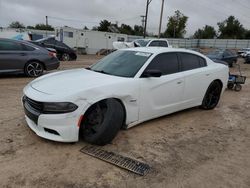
[(230, 85), (33, 69), (102, 121), (65, 57), (237, 87), (212, 96)]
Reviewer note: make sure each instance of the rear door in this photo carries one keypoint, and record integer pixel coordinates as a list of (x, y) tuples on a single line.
[(12, 56), (197, 78), (163, 95)]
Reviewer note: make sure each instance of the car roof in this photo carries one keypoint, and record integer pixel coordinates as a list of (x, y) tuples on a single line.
[(151, 39), (158, 50)]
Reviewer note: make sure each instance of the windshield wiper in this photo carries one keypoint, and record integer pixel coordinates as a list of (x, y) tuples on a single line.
[(101, 71)]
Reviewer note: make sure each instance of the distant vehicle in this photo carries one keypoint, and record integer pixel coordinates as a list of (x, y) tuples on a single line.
[(247, 59), (245, 54), (223, 55), (243, 50), (21, 56), (142, 43), (64, 52), (125, 88), (196, 49)]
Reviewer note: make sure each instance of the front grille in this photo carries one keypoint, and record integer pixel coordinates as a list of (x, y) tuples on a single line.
[(38, 106)]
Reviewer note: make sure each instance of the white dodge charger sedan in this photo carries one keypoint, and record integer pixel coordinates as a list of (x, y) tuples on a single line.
[(123, 89)]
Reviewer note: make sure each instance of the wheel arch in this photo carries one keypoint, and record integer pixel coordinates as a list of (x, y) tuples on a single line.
[(117, 99), (35, 60), (218, 80)]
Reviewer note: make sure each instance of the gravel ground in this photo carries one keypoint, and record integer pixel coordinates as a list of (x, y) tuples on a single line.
[(192, 148)]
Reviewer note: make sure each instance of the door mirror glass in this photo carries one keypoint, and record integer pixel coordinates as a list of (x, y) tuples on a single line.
[(151, 73)]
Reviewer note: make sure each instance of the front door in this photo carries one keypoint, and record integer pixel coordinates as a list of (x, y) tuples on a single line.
[(162, 95)]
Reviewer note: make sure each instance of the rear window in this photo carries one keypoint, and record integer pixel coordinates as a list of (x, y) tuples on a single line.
[(28, 48)]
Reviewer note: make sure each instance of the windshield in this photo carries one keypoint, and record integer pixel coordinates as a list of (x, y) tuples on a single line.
[(42, 39), (142, 42), (121, 63)]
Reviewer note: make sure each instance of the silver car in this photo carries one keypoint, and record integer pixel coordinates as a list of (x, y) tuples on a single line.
[(22, 56)]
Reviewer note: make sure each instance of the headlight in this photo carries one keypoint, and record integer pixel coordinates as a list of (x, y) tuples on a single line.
[(58, 107)]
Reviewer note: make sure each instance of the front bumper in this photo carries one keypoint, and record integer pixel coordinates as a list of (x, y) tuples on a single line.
[(56, 127)]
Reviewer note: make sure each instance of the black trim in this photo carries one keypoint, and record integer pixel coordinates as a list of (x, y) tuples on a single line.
[(30, 112)]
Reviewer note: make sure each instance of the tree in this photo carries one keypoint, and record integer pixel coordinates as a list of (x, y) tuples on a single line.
[(176, 27), (126, 29), (207, 32), (44, 27), (30, 27), (104, 25), (16, 24), (231, 28), (138, 30), (86, 28), (247, 34)]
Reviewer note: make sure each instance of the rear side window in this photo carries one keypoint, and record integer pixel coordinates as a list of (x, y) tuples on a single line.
[(10, 46), (203, 62), (60, 44), (190, 61), (28, 48), (167, 63), (154, 43), (163, 43)]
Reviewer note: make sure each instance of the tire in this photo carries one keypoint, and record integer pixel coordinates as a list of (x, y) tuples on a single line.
[(237, 87), (212, 96), (230, 86), (102, 122), (33, 69), (65, 57)]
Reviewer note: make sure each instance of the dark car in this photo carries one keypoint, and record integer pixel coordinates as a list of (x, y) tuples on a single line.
[(247, 59), (223, 55), (64, 52), (21, 56)]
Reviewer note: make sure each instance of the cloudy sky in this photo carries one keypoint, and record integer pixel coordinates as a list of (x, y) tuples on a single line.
[(78, 13)]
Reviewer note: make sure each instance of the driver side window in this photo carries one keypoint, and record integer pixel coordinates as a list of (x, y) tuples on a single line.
[(167, 63)]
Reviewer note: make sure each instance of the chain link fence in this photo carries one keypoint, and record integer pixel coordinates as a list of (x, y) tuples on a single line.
[(209, 43)]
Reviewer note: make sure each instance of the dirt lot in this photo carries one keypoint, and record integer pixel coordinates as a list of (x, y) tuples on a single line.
[(193, 148)]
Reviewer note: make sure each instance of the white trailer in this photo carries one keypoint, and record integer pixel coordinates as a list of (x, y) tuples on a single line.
[(91, 41)]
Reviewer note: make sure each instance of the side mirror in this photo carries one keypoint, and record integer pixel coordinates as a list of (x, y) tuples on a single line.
[(151, 73)]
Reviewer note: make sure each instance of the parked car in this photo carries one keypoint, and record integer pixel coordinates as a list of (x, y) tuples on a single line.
[(142, 43), (247, 59), (125, 88), (21, 56), (64, 52), (223, 55), (243, 50)]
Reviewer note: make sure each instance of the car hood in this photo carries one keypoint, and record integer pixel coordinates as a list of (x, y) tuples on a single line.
[(72, 81)]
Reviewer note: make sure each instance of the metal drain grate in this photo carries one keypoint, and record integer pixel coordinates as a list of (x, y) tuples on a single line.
[(118, 160)]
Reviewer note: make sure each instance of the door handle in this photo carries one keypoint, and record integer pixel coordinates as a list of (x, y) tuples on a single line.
[(179, 82), (207, 74)]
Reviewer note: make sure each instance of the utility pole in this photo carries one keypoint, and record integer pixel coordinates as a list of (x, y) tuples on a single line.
[(146, 18), (162, 5), (143, 21), (46, 20)]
